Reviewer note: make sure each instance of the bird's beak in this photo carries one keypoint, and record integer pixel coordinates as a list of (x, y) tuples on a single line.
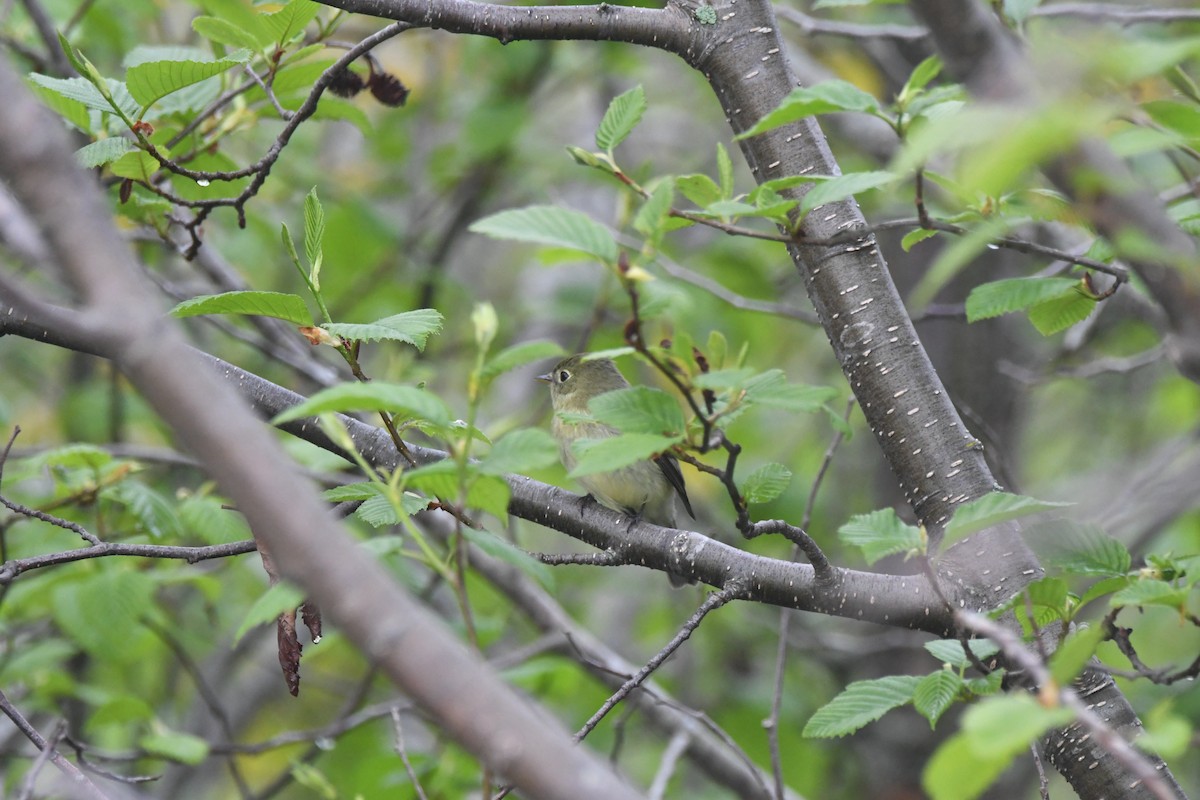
[(547, 378)]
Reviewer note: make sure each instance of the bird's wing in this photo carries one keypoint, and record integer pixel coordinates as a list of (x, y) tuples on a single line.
[(670, 469)]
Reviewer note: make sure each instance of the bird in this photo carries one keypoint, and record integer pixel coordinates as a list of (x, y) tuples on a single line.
[(645, 489)]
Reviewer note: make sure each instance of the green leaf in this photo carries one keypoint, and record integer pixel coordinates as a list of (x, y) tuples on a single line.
[(105, 609), (766, 483), (558, 227), (1079, 548), (289, 21), (101, 152), (724, 171), (992, 509), (520, 452), (69, 108), (489, 493), (1014, 294), (183, 748), (150, 81), (935, 693), (314, 236), (151, 510), (518, 355), (881, 533), (1150, 592), (614, 452), (861, 702), (995, 731), (222, 31), (412, 327), (375, 396), (843, 186), (771, 389), (623, 114), (921, 75), (509, 553), (950, 651), (1074, 654), (639, 409), (287, 307), (276, 600), (835, 95), (912, 238), (1062, 312), (84, 91), (700, 189), (651, 218)]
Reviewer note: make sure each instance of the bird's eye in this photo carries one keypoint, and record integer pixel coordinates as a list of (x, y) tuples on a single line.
[(563, 376)]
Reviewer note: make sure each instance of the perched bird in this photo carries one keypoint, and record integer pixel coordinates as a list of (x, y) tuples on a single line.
[(645, 489)]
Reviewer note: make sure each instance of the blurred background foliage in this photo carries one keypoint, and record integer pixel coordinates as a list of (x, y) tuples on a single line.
[(119, 648)]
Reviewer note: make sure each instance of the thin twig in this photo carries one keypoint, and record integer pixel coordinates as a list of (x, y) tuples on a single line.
[(402, 751), (81, 781), (713, 601), (9, 570)]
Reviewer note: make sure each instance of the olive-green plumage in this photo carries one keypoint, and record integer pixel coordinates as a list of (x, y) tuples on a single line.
[(644, 489)]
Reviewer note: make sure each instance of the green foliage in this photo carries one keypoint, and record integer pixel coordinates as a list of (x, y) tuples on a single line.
[(549, 225), (994, 732), (823, 98), (765, 483), (993, 509), (860, 703), (276, 600), (882, 533), (614, 452), (622, 116), (287, 307), (406, 401)]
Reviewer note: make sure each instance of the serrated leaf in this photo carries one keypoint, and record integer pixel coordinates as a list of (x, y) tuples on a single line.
[(412, 327), (1062, 312), (505, 551), (150, 81), (766, 483), (151, 510), (69, 108), (623, 114), (222, 31), (880, 534), (724, 171), (966, 764), (266, 609), (771, 389), (651, 218), (290, 20), (314, 235), (950, 651), (1014, 294), (518, 355), (992, 509), (1079, 548), (843, 186), (1074, 654), (1149, 592), (702, 190), (85, 92), (105, 610), (287, 307), (550, 225), (935, 693), (183, 748), (639, 409), (520, 452), (101, 152), (860, 703), (605, 455), (375, 396), (835, 95)]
